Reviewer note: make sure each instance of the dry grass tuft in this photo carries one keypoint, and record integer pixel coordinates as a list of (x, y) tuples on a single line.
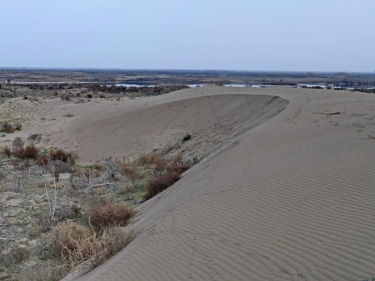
[(83, 249), (110, 214)]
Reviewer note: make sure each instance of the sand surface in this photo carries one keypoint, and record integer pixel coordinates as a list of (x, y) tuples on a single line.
[(286, 191)]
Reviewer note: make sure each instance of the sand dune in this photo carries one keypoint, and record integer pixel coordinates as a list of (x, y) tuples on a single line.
[(284, 198)]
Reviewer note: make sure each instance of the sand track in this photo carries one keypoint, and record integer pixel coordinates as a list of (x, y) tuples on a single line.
[(290, 199)]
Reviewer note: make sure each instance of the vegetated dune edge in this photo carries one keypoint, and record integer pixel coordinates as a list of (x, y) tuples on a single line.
[(290, 199)]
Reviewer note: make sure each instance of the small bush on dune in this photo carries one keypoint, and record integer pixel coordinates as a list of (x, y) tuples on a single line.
[(18, 126), (110, 214), (177, 165), (31, 152), (66, 237), (186, 138), (161, 183)]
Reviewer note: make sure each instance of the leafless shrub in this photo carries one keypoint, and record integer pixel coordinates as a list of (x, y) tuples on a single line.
[(110, 214), (60, 154), (128, 171), (150, 159), (99, 167), (43, 161), (31, 152), (19, 152), (81, 248), (160, 183)]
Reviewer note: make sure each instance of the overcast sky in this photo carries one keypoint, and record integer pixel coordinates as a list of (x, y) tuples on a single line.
[(291, 35)]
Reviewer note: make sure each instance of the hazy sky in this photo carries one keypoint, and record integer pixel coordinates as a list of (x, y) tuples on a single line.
[(308, 35)]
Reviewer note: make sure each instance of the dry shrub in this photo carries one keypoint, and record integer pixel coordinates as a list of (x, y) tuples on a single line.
[(177, 165), (150, 159), (66, 237), (81, 247), (110, 214), (19, 152), (130, 172), (82, 173), (69, 115), (42, 160), (31, 152), (99, 167), (6, 151), (60, 154), (160, 183), (7, 128)]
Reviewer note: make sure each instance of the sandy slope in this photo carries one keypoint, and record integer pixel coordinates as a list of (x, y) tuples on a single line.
[(289, 199)]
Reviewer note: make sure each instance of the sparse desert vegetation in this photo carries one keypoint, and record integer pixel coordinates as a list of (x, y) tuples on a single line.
[(59, 216)]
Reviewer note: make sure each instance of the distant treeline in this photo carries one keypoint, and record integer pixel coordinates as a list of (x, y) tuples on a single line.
[(146, 90)]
